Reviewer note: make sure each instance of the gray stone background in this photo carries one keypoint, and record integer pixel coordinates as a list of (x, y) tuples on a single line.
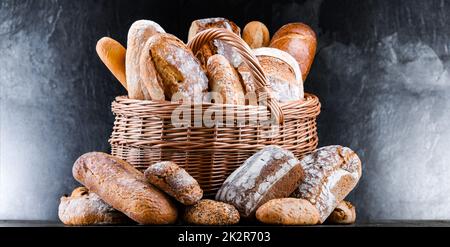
[(381, 72)]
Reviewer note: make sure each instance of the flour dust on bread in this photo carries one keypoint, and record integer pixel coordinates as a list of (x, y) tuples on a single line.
[(215, 46), (176, 72), (268, 174), (282, 72), (331, 173), (124, 187), (140, 31), (86, 208)]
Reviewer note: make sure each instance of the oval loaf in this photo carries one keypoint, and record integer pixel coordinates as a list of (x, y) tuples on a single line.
[(288, 211)]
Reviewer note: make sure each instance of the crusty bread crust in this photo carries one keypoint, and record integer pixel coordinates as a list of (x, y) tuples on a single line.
[(288, 211), (123, 187)]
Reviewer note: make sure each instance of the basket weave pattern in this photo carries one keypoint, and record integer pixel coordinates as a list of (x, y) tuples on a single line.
[(143, 132)]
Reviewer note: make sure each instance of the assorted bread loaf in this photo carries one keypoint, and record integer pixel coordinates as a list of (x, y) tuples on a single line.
[(83, 207), (270, 173), (272, 186)]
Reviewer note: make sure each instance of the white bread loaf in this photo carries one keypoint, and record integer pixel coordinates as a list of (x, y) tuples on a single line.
[(140, 31), (331, 173)]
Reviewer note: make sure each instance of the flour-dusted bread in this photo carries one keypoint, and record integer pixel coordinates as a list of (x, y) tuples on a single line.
[(331, 173), (175, 181), (123, 187), (210, 212), (175, 71), (299, 40), (343, 214), (216, 46), (112, 54), (256, 34), (268, 174), (138, 34), (288, 211), (86, 208), (282, 72), (224, 81)]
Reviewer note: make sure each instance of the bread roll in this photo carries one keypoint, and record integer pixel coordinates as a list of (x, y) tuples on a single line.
[(268, 174), (123, 187), (300, 41), (288, 211), (344, 213), (138, 34), (256, 34), (209, 212), (86, 208), (282, 72), (112, 54), (175, 181), (178, 70), (331, 173), (216, 46), (224, 80)]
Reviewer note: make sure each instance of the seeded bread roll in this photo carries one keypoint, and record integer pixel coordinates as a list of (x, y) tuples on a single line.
[(86, 208), (288, 211), (331, 173), (269, 174), (209, 212), (256, 34), (175, 181), (179, 74), (224, 80), (216, 46), (344, 213), (123, 187), (299, 40), (282, 72), (138, 34)]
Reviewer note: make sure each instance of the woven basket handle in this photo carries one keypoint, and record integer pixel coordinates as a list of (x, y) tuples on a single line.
[(262, 86)]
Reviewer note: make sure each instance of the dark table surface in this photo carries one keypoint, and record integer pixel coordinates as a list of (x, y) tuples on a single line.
[(381, 223)]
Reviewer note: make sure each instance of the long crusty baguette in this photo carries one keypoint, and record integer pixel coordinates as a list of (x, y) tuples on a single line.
[(124, 188), (140, 31), (112, 54)]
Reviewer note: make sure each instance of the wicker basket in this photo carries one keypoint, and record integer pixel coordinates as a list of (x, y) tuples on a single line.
[(143, 132)]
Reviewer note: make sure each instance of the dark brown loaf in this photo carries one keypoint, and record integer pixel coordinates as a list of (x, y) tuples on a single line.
[(300, 41), (138, 34), (178, 71), (270, 173), (175, 181), (86, 208), (225, 81), (331, 173), (282, 72), (209, 212), (344, 213), (288, 211), (123, 187), (216, 46)]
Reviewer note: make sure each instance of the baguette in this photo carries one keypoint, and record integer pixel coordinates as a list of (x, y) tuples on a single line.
[(112, 54)]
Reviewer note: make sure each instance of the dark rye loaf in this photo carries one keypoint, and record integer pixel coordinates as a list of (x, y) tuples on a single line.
[(270, 173)]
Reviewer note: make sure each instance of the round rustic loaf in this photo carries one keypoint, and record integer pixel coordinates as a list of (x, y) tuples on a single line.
[(300, 41), (86, 208), (123, 187), (175, 181), (256, 34), (209, 212), (288, 211)]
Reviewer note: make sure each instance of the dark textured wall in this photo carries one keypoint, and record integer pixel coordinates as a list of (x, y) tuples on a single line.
[(381, 72)]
